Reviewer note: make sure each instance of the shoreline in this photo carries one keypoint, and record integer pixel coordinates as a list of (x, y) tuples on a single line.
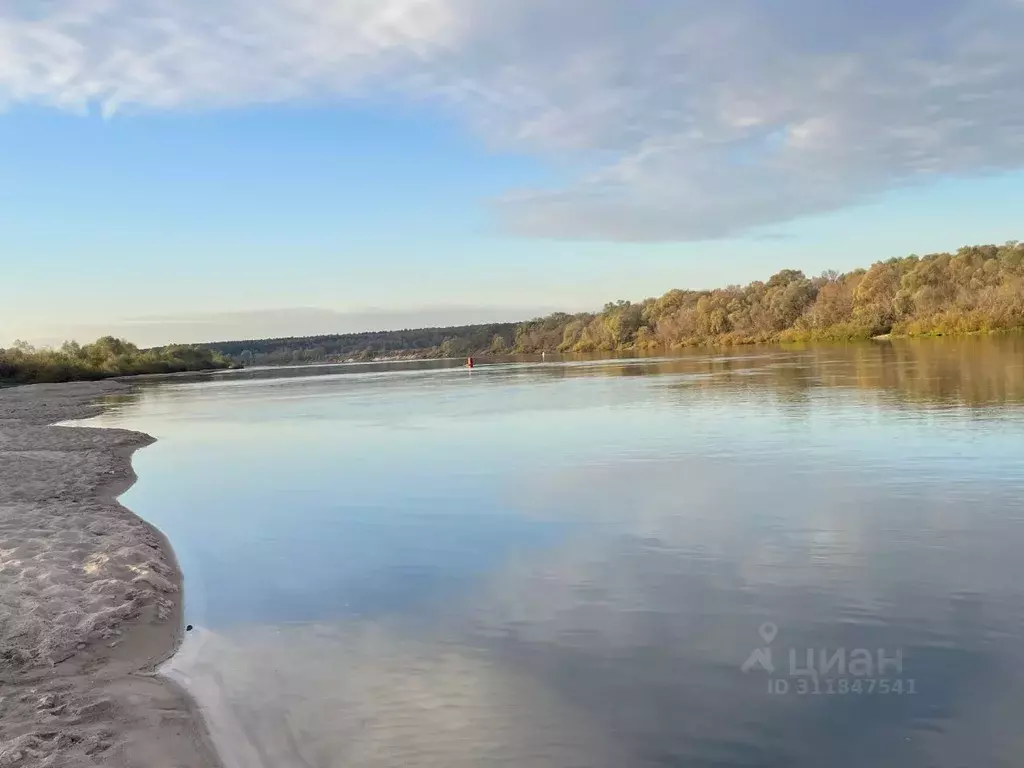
[(91, 597)]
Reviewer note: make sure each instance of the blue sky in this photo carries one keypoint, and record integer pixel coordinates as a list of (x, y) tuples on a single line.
[(191, 171)]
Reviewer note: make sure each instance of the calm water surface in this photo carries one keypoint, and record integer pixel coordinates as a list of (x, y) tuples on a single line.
[(570, 564)]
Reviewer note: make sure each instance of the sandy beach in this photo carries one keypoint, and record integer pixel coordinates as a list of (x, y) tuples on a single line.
[(90, 597)]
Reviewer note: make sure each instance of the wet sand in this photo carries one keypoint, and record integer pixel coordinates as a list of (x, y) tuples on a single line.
[(90, 597)]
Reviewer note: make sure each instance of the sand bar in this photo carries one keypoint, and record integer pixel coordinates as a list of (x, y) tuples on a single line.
[(90, 597)]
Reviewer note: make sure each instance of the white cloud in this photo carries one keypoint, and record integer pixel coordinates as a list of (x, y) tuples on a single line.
[(174, 53), (674, 119)]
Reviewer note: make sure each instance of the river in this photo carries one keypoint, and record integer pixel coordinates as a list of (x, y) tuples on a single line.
[(755, 557)]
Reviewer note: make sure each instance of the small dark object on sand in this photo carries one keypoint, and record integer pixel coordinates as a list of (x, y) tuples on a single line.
[(188, 628)]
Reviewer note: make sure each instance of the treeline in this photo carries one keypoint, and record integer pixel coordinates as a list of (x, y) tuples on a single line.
[(976, 289), (423, 342), (105, 358)]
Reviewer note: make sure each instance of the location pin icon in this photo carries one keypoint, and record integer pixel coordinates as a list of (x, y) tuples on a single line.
[(768, 631)]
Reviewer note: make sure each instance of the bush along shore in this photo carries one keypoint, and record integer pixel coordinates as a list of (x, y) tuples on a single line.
[(105, 358)]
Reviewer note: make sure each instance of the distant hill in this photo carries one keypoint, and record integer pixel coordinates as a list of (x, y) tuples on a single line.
[(456, 341)]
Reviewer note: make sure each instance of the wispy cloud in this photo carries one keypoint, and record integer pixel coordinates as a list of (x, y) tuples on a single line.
[(682, 120)]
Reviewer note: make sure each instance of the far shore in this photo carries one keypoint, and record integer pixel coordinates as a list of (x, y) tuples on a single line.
[(90, 596)]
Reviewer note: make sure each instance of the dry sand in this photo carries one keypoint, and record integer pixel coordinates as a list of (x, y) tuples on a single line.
[(90, 597)]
